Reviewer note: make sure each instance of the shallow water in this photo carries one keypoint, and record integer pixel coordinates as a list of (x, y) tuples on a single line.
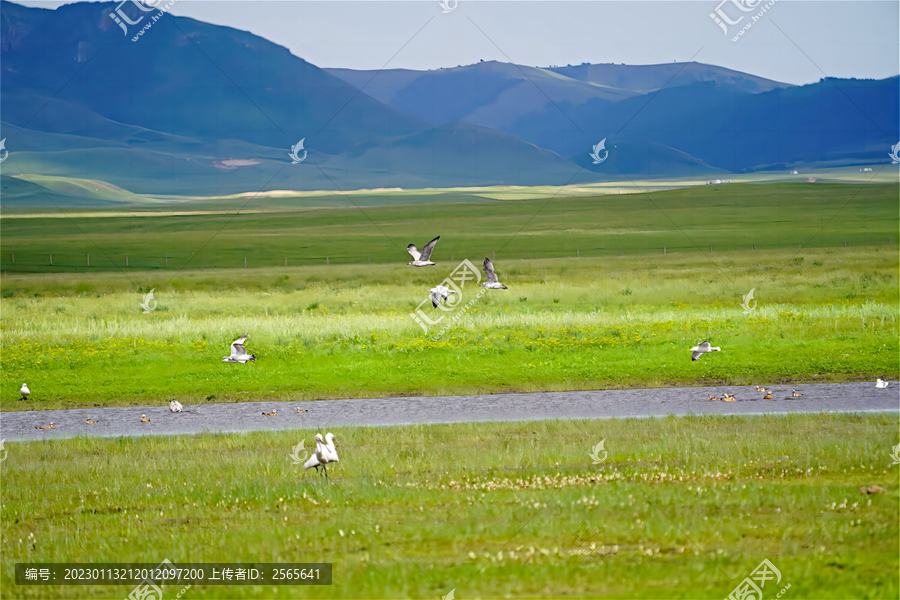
[(248, 416)]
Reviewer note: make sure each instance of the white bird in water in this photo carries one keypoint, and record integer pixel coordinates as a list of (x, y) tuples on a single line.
[(422, 259), (175, 406), (438, 292), (238, 352), (491, 283), (24, 391), (881, 383), (701, 349), (325, 453)]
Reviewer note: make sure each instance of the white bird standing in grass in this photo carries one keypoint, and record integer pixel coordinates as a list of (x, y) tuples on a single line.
[(438, 292), (881, 383), (175, 406), (325, 453), (422, 259), (238, 352), (701, 349), (24, 391), (491, 283)]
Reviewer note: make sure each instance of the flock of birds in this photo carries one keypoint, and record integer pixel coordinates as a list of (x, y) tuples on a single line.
[(325, 451)]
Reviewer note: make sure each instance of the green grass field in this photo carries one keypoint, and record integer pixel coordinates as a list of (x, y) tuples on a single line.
[(683, 221), (680, 508), (346, 331)]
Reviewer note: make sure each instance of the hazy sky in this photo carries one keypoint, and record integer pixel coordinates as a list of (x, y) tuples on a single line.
[(817, 38)]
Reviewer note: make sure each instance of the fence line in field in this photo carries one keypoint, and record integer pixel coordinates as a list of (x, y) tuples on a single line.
[(59, 260)]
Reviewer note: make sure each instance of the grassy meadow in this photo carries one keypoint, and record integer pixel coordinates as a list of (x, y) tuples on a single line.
[(346, 230), (346, 331), (680, 508)]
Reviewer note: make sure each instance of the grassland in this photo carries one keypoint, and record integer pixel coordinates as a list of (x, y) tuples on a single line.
[(681, 508), (349, 231), (345, 331)]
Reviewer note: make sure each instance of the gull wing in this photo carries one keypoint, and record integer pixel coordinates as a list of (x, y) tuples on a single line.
[(413, 251), (696, 355), (237, 346), (489, 270), (435, 298), (426, 251)]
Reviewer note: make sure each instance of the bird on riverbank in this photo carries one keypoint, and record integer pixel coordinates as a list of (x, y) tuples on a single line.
[(768, 395), (759, 388), (423, 258), (325, 453), (24, 391), (238, 352), (175, 406), (89, 422), (438, 292), (50, 426), (144, 419), (491, 283), (701, 349), (881, 383), (271, 414), (711, 399), (795, 394), (302, 411), (727, 398)]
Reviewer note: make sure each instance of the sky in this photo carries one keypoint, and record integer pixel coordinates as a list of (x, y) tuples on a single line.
[(794, 41)]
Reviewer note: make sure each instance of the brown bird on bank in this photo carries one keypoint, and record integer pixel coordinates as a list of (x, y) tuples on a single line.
[(727, 398), (795, 394), (144, 419), (50, 426), (302, 411), (761, 389), (271, 414), (768, 395), (711, 399), (89, 422)]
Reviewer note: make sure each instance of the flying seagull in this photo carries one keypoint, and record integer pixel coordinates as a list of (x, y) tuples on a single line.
[(438, 292), (881, 383), (491, 283), (24, 391), (238, 352), (701, 349), (422, 259), (175, 406)]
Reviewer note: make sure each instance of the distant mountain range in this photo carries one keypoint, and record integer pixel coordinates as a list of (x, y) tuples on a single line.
[(199, 109)]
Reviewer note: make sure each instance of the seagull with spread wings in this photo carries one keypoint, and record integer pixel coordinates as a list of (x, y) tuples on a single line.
[(422, 259), (238, 352), (438, 292), (701, 349), (491, 283)]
